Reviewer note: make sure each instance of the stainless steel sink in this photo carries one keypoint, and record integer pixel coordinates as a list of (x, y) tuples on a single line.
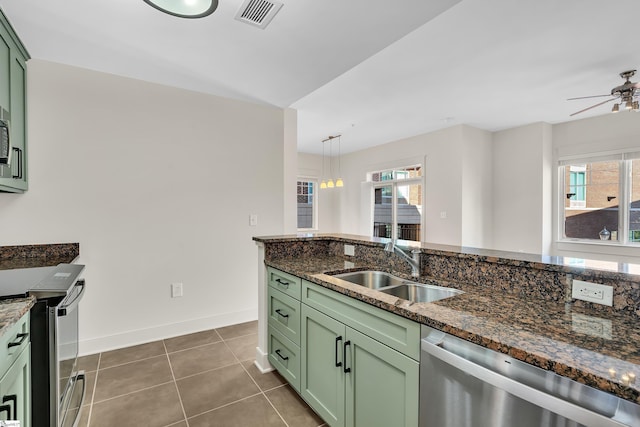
[(421, 293), (397, 286), (372, 279)]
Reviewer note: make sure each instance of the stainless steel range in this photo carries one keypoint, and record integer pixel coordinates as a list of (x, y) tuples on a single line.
[(57, 385)]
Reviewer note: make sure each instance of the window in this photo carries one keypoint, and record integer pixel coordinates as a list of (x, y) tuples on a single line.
[(602, 198), (306, 199), (397, 203)]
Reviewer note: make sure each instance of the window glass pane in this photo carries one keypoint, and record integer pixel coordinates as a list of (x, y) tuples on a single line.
[(402, 173), (634, 202), (305, 204), (591, 202), (409, 213), (382, 211)]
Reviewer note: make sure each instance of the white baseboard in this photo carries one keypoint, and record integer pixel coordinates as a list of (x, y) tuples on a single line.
[(155, 333), (262, 361)]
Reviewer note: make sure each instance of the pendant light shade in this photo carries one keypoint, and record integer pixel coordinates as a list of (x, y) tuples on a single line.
[(185, 8), (330, 183)]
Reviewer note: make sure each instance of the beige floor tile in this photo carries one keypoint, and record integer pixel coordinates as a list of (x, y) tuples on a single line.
[(200, 359), (131, 354), (254, 411), (154, 407), (238, 330), (84, 416), (213, 389), (184, 342), (88, 363), (244, 348), (180, 424), (131, 377), (265, 381), (292, 408)]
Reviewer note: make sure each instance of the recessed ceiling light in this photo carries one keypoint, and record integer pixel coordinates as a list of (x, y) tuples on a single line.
[(185, 8)]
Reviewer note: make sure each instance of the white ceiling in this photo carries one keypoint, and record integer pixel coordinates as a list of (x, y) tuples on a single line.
[(373, 70)]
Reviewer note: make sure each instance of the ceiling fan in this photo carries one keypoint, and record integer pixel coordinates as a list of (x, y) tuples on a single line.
[(628, 94)]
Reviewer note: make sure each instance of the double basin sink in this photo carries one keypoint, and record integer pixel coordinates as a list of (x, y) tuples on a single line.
[(397, 286)]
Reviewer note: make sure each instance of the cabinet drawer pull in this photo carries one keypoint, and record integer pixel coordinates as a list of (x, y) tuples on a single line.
[(338, 363), (18, 151), (19, 340), (280, 313), (12, 398), (344, 356), (281, 356), (285, 284)]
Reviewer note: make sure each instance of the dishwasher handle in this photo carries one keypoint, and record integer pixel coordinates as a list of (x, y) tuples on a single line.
[(523, 391)]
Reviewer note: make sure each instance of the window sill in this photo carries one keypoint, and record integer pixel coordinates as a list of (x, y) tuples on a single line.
[(602, 250)]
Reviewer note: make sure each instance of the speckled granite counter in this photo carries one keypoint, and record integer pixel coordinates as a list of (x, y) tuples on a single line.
[(524, 311), (29, 256), (12, 310)]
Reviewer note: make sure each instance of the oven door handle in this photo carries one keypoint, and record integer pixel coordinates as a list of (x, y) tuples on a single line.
[(80, 376), (523, 391), (71, 305)]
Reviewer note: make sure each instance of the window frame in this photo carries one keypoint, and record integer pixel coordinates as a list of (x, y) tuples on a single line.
[(314, 207), (624, 160), (394, 183)]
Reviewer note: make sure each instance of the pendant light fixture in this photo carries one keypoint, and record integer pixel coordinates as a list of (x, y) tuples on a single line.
[(339, 182), (185, 8)]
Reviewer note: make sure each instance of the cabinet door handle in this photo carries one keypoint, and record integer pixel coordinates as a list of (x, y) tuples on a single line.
[(19, 340), (12, 398), (344, 356), (281, 356), (18, 151), (338, 363), (285, 284), (280, 313)]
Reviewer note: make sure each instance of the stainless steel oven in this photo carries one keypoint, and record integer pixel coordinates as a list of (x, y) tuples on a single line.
[(57, 384), (466, 385)]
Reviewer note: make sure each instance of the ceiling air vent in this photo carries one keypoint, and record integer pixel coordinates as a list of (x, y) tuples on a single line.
[(258, 12)]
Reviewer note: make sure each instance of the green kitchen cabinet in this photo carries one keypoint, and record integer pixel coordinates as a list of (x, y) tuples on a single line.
[(13, 106), (15, 373), (352, 380)]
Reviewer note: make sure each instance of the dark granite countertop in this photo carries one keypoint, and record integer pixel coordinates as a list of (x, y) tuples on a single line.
[(604, 269), (12, 310), (544, 333)]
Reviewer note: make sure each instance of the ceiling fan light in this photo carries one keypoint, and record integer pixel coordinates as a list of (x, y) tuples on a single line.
[(616, 108), (636, 107), (185, 8), (628, 105)]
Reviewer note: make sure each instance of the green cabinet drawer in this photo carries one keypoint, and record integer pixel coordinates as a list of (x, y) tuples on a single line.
[(15, 389), (284, 282), (285, 357), (13, 342), (284, 314), (390, 329)]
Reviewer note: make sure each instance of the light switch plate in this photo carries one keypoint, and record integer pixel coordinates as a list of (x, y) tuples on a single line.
[(176, 290), (592, 292)]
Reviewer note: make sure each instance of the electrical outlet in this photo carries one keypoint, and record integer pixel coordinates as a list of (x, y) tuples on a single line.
[(592, 292), (176, 290), (349, 250)]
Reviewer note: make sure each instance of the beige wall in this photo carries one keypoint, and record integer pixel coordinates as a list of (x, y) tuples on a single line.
[(157, 185)]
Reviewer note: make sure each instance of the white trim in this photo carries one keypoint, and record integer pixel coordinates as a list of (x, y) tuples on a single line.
[(155, 333)]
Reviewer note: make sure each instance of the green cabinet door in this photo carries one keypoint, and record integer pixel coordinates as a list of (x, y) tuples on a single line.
[(13, 57), (15, 390), (322, 377), (381, 386)]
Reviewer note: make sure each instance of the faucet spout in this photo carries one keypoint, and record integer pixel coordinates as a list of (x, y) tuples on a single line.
[(413, 260)]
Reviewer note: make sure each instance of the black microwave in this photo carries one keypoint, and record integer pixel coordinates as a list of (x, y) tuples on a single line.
[(5, 144)]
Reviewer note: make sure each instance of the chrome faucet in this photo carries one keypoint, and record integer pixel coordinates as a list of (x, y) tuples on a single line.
[(413, 260)]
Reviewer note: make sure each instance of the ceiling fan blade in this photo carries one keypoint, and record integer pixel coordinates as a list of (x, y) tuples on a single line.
[(593, 106), (585, 97)]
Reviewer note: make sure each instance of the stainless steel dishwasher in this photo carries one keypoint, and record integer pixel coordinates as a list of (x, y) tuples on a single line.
[(465, 385)]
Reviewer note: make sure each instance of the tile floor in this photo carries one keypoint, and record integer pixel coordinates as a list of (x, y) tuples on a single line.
[(197, 380)]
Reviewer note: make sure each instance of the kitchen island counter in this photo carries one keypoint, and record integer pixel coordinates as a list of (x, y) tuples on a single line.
[(544, 327)]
